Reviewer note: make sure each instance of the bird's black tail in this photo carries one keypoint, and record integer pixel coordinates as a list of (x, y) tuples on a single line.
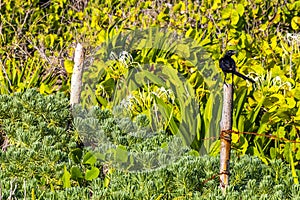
[(244, 77)]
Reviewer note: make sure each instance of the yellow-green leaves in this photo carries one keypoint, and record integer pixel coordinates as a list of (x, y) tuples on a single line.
[(92, 173), (68, 64), (230, 13), (66, 178), (295, 23), (240, 9)]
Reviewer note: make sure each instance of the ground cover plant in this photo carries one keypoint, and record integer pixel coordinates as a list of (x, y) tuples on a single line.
[(51, 164), (44, 156)]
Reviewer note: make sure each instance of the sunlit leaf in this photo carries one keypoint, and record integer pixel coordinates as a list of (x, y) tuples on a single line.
[(92, 173), (89, 158), (76, 174), (68, 64), (295, 23), (66, 178)]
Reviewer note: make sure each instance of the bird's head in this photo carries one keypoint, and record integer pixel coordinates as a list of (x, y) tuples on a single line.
[(230, 53)]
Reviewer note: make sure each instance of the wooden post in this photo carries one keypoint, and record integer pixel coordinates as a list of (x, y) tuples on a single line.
[(225, 135), (76, 81)]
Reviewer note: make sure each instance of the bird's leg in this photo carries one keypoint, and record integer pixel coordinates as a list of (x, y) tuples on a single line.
[(225, 79)]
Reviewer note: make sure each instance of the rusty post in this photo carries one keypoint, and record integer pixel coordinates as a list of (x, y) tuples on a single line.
[(225, 135)]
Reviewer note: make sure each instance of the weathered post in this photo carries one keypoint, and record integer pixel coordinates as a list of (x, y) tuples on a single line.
[(225, 135), (76, 81)]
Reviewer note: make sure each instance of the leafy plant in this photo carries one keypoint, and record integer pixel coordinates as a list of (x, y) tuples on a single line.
[(38, 137)]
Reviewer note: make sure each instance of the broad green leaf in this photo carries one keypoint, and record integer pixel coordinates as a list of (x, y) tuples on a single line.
[(286, 152), (196, 79), (293, 132), (234, 18), (164, 146), (273, 153), (68, 64), (245, 144), (295, 23), (258, 69), (183, 50), (239, 102), (226, 13), (100, 156), (43, 88), (235, 137), (258, 96), (76, 174), (240, 9), (167, 112), (190, 33), (146, 75), (106, 181), (262, 128), (66, 178), (194, 153), (108, 85), (274, 42), (215, 148), (177, 7), (89, 158), (241, 123), (283, 113), (259, 154), (291, 103), (92, 173), (102, 101), (76, 155), (271, 101), (298, 155), (216, 4)]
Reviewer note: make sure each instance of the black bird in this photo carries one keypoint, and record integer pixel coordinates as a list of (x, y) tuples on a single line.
[(227, 65)]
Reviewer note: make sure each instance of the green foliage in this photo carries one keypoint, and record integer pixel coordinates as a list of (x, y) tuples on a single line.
[(159, 81), (123, 143), (186, 179), (38, 137), (31, 43), (257, 30), (43, 161), (36, 49), (19, 75), (83, 170)]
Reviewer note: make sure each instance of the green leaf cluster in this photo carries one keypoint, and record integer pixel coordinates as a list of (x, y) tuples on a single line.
[(45, 160), (37, 130)]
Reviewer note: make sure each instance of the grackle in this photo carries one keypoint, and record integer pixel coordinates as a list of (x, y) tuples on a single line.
[(227, 65)]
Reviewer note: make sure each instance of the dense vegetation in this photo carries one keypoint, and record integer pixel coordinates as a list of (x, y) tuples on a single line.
[(43, 159), (43, 153)]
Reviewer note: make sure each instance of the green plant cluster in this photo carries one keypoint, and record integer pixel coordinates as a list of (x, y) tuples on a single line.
[(39, 138), (189, 179), (51, 164), (33, 37), (265, 35), (122, 143)]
